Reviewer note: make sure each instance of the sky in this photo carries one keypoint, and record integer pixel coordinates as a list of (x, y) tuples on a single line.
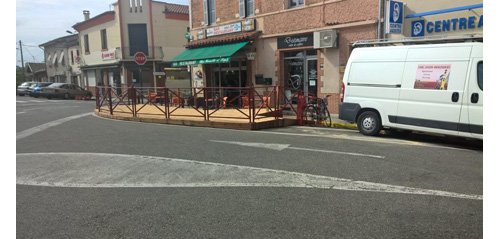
[(40, 21)]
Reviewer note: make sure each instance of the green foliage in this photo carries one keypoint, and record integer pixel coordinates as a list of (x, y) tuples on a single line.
[(20, 77)]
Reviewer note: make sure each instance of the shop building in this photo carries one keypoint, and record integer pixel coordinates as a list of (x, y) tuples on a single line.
[(294, 44), (61, 62), (412, 19), (110, 41)]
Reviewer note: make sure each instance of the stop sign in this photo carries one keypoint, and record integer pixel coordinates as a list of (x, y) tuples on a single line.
[(140, 58)]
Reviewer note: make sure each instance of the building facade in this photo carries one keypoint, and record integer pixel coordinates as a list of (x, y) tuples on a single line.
[(36, 72), (61, 63), (434, 19), (110, 41), (272, 43)]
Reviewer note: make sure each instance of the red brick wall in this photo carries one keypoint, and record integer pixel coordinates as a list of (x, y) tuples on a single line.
[(267, 6), (351, 11), (197, 12), (351, 34), (307, 18), (341, 12)]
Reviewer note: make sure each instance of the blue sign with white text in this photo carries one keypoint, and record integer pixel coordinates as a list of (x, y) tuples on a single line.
[(395, 24), (420, 27)]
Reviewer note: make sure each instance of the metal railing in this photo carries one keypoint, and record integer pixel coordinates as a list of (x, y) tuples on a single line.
[(210, 103)]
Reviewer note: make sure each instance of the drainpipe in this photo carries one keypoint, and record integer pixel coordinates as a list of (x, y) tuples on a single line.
[(380, 32)]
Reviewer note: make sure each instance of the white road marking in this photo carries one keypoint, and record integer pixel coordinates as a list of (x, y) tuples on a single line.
[(20, 113), (34, 130), (115, 170), (281, 147), (331, 136), (278, 147), (365, 139)]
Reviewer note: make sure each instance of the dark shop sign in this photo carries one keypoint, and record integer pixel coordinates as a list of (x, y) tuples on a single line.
[(295, 41)]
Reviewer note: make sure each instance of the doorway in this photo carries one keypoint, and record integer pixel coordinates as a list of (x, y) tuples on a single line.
[(300, 73)]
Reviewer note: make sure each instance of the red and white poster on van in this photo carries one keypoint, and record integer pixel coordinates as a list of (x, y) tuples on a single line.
[(432, 76)]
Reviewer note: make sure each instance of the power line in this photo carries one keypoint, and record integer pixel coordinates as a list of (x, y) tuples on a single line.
[(31, 55)]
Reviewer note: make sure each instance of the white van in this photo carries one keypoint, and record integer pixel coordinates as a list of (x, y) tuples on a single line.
[(435, 88)]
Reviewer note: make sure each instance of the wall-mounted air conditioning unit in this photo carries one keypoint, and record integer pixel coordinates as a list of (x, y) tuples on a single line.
[(325, 39)]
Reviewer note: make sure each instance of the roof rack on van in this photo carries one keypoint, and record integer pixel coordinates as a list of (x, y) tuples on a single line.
[(419, 40)]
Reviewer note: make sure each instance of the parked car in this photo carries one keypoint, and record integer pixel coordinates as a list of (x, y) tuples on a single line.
[(23, 88), (65, 91), (36, 89)]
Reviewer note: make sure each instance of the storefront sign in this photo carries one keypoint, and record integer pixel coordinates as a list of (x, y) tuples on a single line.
[(248, 25), (108, 55), (420, 27), (224, 29), (395, 16), (202, 61), (296, 41), (200, 35)]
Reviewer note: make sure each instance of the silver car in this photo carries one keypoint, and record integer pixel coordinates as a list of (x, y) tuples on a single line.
[(65, 91), (23, 88)]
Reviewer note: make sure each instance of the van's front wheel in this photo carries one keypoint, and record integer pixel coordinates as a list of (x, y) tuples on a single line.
[(369, 123)]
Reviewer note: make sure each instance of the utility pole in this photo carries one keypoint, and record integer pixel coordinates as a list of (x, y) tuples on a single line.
[(22, 59)]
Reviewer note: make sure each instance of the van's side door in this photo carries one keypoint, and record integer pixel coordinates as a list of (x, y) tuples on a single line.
[(433, 88), (471, 121)]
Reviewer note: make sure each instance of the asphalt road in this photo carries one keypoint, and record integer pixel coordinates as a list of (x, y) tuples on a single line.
[(81, 176)]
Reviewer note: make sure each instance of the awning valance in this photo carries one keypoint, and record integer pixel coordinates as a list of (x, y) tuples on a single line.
[(207, 55)]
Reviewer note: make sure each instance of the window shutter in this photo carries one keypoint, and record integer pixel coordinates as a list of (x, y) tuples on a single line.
[(242, 9), (205, 11), (213, 17), (251, 7)]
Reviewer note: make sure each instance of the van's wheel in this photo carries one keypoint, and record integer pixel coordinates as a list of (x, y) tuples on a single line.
[(369, 123)]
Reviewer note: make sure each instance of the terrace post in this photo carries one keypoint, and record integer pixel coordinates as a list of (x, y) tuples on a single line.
[(110, 101), (97, 99)]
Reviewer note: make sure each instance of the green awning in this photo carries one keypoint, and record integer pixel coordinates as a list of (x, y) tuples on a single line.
[(207, 55)]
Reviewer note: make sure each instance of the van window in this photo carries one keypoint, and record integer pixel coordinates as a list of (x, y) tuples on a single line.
[(480, 75)]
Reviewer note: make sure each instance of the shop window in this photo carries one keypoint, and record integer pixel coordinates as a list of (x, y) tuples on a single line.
[(209, 12), (295, 3), (86, 44), (247, 8), (104, 40)]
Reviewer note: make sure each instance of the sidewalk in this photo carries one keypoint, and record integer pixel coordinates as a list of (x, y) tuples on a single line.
[(220, 118)]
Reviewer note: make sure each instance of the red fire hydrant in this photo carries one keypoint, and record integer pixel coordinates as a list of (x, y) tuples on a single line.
[(301, 105)]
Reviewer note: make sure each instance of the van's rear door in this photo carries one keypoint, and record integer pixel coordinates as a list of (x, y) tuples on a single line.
[(471, 122), (433, 88)]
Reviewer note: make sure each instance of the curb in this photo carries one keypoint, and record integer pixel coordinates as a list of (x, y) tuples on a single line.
[(338, 125), (344, 125)]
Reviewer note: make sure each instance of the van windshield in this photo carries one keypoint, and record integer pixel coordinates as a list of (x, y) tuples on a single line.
[(480, 75)]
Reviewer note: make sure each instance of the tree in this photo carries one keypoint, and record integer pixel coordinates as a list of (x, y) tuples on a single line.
[(20, 76)]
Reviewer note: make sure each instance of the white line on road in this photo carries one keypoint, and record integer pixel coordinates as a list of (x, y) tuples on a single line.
[(118, 170), (330, 136), (281, 147), (34, 130)]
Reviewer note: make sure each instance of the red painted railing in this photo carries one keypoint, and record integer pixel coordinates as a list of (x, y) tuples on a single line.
[(251, 103)]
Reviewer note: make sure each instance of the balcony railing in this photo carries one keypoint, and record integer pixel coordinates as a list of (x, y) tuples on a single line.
[(151, 52)]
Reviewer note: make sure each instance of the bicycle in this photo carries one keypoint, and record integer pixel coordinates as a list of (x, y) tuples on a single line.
[(317, 111)]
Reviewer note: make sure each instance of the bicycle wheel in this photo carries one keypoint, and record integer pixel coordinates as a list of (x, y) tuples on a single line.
[(326, 119), (310, 115)]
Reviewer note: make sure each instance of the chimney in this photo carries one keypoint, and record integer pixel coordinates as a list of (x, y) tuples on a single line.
[(86, 15)]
